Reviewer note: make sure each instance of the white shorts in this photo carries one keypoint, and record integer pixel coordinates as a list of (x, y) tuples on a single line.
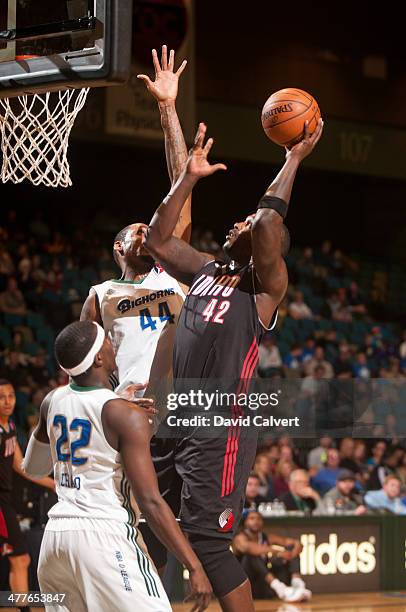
[(101, 565)]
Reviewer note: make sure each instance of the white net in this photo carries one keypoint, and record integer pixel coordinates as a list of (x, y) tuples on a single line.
[(35, 132)]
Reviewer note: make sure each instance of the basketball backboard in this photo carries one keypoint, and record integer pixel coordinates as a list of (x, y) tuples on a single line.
[(48, 45)]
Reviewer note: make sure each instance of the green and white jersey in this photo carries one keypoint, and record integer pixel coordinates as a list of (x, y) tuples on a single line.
[(140, 319), (89, 477)]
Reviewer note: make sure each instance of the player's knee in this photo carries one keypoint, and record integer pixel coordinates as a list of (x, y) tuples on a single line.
[(20, 562), (221, 566)]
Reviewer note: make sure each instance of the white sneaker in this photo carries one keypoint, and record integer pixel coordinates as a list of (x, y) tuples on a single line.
[(294, 594), (307, 594)]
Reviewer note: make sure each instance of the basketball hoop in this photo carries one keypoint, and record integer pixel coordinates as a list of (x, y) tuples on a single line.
[(35, 130)]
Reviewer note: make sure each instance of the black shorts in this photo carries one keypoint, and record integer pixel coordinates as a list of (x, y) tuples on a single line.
[(15, 544), (203, 479)]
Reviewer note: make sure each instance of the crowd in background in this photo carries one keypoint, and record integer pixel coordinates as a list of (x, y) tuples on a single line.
[(353, 476), (328, 325)]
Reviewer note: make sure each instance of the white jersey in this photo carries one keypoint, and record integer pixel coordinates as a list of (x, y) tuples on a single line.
[(140, 319), (89, 476)]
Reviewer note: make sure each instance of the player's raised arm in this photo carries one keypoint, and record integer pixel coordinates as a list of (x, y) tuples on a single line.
[(270, 236), (165, 90), (178, 258), (128, 430)]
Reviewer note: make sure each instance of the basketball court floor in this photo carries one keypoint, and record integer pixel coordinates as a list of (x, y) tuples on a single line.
[(341, 602)]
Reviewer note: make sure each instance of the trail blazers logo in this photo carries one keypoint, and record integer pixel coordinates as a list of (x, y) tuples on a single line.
[(226, 520)]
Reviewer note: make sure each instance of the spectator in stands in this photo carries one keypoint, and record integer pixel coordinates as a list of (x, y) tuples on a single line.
[(319, 360), (310, 385), (38, 273), (38, 369), (286, 452), (402, 346), (298, 309), (57, 246), (318, 456), (12, 300), (294, 359), (330, 343), (255, 549), (377, 453), (269, 357), (308, 349), (273, 453), (280, 481), (343, 496), (18, 344), (337, 263), (360, 456), (6, 266), (324, 258), (301, 495), (401, 473), (262, 468), (390, 462), (208, 244), (360, 368), (355, 300), (325, 479), (252, 496), (13, 371), (346, 451), (387, 498), (305, 264), (26, 281), (39, 228), (343, 363)]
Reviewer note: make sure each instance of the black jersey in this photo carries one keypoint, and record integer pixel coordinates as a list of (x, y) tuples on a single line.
[(8, 442), (219, 329)]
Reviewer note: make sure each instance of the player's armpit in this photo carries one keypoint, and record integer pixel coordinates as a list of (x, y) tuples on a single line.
[(91, 309)]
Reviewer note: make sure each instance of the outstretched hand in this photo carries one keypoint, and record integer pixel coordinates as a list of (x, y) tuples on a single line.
[(198, 165), (165, 86), (306, 146)]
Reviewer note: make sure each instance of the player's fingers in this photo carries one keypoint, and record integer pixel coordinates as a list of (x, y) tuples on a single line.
[(208, 146), (164, 59), (218, 167), (319, 131), (306, 131), (155, 60), (201, 133), (145, 78), (181, 68), (198, 605), (139, 386), (171, 63)]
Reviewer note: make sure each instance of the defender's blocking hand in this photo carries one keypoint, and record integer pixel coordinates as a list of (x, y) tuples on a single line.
[(165, 87)]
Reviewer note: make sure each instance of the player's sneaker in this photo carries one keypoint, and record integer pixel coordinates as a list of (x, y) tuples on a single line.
[(294, 594)]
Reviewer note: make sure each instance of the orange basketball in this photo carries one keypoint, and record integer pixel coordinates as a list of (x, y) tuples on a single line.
[(285, 113)]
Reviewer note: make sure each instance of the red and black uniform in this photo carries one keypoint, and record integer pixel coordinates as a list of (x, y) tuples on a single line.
[(216, 345), (15, 544)]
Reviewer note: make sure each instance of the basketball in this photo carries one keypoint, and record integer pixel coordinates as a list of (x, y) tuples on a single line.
[(284, 115)]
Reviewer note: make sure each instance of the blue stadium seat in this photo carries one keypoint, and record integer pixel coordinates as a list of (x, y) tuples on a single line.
[(12, 320), (35, 320), (5, 337)]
